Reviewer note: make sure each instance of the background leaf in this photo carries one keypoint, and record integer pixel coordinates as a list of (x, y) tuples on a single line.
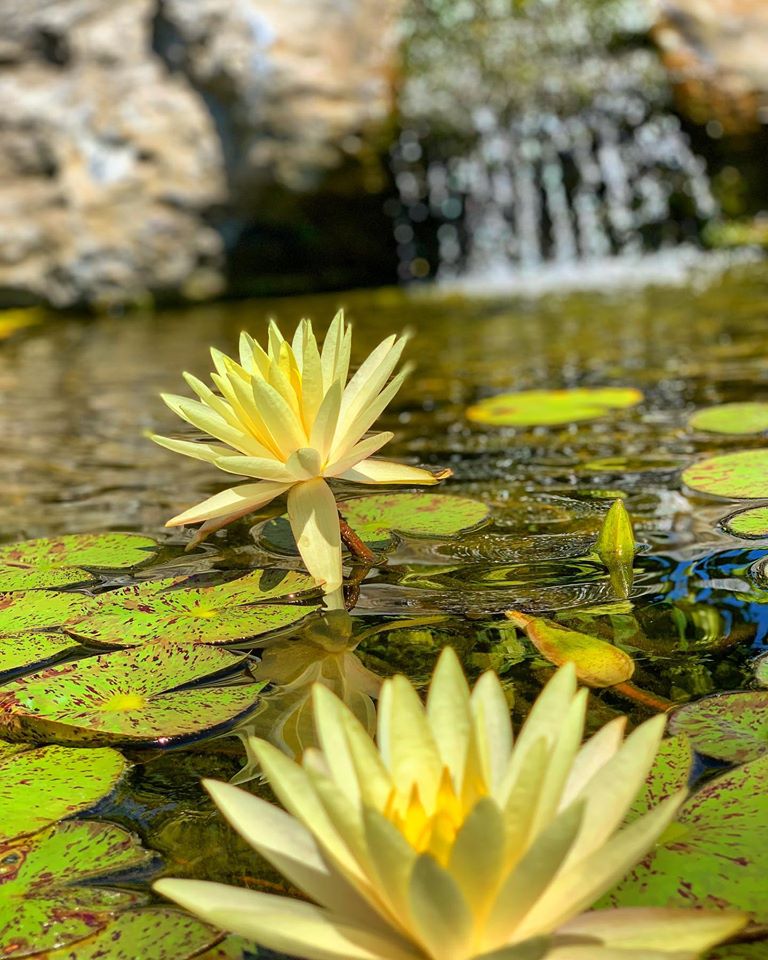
[(531, 408), (732, 418), (738, 476), (729, 726)]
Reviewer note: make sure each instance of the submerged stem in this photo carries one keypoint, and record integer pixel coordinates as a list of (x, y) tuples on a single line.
[(650, 700), (353, 543)]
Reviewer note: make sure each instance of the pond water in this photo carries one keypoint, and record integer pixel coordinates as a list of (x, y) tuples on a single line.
[(79, 394)]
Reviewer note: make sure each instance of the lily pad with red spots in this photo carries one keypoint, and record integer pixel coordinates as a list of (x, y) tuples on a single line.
[(671, 772), (736, 476), (48, 896), (728, 726), (376, 519), (27, 651), (39, 787), (129, 697), (60, 561), (714, 856), (41, 609), (224, 613), (732, 418), (532, 408)]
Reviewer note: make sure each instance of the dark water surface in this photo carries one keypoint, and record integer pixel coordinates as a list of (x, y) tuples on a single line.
[(78, 394)]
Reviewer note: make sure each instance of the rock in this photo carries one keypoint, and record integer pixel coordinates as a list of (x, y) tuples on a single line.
[(716, 52), (141, 140)]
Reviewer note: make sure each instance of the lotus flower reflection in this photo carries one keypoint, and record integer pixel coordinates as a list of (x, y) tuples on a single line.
[(448, 842), (287, 417)]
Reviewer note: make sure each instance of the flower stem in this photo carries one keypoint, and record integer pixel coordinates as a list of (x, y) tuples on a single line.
[(649, 700), (353, 543)]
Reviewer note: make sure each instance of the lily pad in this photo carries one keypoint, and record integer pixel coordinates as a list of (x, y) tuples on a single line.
[(732, 418), (735, 476), (532, 408), (376, 518), (749, 524), (40, 609), (39, 787), (714, 855), (152, 933), (210, 615), (670, 772), (26, 651), (598, 663), (49, 876), (761, 670), (128, 697), (728, 726), (61, 561)]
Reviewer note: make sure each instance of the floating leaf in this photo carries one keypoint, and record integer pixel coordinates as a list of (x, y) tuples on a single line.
[(39, 787), (128, 697), (47, 898), (728, 726), (149, 933), (40, 609), (714, 855), (750, 524), (235, 948), (375, 518), (761, 670), (598, 664), (23, 651), (60, 561), (211, 615), (670, 772), (18, 319), (616, 548), (732, 418), (531, 408), (736, 476)]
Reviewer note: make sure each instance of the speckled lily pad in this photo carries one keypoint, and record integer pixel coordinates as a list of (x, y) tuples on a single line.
[(39, 787), (714, 855), (28, 651), (68, 559), (728, 726), (531, 408), (377, 517), (49, 875), (149, 933), (211, 615), (749, 524), (41, 609), (736, 476), (670, 772), (732, 418), (128, 697)]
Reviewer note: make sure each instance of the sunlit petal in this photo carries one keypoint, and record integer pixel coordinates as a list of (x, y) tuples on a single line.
[(242, 499), (314, 519)]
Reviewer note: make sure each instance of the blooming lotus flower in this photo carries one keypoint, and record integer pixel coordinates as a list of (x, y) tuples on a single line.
[(448, 842), (288, 418)]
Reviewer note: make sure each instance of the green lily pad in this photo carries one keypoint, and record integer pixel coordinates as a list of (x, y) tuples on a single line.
[(750, 524), (598, 663), (39, 787), (670, 772), (715, 855), (61, 561), (728, 726), (40, 609), (209, 615), (736, 476), (26, 651), (732, 418), (151, 933), (47, 896), (233, 948), (532, 408), (128, 697), (761, 670), (376, 518)]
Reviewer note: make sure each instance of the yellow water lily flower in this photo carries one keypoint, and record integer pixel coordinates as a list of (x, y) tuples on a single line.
[(287, 417), (449, 842)]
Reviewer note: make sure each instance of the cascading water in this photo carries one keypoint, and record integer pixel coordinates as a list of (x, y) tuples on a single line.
[(562, 165)]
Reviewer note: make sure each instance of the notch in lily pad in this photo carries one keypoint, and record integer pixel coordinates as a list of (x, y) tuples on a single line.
[(61, 561), (139, 697), (225, 613), (534, 408), (378, 519), (40, 610), (28, 651)]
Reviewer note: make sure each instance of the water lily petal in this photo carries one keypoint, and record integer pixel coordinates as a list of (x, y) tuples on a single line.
[(439, 913), (493, 728), (478, 855), (391, 858), (386, 471), (314, 519), (236, 500), (657, 928), (344, 440), (214, 401), (370, 378), (328, 710), (448, 713), (210, 452), (535, 949), (258, 467), (361, 451), (205, 419), (252, 357), (594, 754), (324, 425), (280, 419), (311, 376)]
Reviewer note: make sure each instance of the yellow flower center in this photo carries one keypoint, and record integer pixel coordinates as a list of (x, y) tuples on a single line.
[(433, 831)]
